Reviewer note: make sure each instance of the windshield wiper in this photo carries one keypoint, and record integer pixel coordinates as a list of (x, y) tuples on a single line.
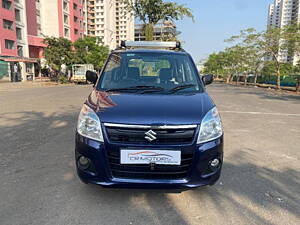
[(137, 88), (181, 87)]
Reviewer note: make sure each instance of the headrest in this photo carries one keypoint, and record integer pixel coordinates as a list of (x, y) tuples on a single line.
[(165, 74), (133, 73)]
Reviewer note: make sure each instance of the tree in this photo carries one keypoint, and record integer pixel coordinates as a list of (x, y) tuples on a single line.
[(228, 63), (58, 52), (213, 64), (274, 43), (234, 61), (254, 54), (90, 50), (271, 45), (291, 33), (150, 12)]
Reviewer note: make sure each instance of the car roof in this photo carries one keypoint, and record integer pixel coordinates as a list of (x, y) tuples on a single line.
[(159, 51)]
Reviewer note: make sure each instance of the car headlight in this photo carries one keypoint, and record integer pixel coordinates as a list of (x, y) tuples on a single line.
[(89, 124), (211, 127)]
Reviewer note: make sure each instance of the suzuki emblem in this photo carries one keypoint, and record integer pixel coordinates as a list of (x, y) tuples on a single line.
[(150, 136)]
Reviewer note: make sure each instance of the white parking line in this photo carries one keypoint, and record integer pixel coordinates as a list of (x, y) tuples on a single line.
[(261, 113)]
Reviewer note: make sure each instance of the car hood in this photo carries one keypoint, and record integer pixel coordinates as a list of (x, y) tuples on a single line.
[(150, 109)]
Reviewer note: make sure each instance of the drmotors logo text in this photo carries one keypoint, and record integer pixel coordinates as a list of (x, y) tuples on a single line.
[(149, 156)]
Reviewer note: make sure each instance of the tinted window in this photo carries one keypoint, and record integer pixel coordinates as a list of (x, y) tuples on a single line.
[(160, 70)]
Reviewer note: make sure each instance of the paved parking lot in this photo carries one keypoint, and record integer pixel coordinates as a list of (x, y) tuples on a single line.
[(260, 183)]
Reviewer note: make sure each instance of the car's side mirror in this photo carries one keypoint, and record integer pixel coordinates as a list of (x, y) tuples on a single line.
[(207, 79), (91, 76)]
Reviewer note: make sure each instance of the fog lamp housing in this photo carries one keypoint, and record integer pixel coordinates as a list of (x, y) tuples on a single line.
[(214, 163), (84, 162)]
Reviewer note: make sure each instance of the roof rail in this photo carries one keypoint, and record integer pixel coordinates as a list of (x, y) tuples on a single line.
[(172, 45)]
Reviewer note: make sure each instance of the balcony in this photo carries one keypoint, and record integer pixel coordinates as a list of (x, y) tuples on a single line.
[(91, 16)]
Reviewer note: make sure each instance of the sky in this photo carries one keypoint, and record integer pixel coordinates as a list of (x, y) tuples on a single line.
[(217, 20)]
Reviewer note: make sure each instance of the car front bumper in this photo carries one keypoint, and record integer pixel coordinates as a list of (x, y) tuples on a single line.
[(99, 172)]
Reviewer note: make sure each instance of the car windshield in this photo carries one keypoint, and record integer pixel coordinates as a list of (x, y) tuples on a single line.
[(162, 73)]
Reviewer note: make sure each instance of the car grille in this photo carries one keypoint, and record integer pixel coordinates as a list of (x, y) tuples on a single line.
[(163, 136), (137, 171)]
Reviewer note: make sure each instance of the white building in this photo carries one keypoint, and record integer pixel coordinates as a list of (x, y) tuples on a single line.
[(108, 20), (271, 16), (280, 14)]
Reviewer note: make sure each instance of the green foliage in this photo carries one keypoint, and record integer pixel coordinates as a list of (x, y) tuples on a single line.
[(292, 37), (58, 52), (153, 11), (150, 12), (90, 50), (62, 79), (227, 63), (268, 69), (214, 64), (252, 48)]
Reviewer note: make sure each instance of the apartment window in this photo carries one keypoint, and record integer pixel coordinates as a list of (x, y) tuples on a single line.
[(7, 24), (19, 33), (75, 19), (66, 19), (67, 32), (6, 4), (9, 44), (65, 6), (20, 51), (75, 6), (75, 31), (18, 15)]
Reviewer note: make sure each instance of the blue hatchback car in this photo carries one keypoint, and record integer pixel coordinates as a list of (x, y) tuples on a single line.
[(149, 123)]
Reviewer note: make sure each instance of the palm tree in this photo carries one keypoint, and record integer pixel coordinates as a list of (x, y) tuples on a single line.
[(150, 12)]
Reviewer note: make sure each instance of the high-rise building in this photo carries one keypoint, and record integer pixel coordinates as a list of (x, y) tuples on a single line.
[(25, 23), (109, 20), (63, 18), (271, 16), (13, 28), (280, 14), (163, 31), (274, 14)]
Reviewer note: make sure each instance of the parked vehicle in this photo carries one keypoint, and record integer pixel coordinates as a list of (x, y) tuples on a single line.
[(149, 122), (79, 71)]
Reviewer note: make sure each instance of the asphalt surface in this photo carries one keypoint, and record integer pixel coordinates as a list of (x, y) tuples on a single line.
[(260, 183)]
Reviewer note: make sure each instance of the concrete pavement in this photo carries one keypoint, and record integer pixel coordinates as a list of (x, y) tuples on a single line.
[(260, 183)]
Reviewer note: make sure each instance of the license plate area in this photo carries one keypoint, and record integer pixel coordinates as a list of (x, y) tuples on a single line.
[(160, 157)]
